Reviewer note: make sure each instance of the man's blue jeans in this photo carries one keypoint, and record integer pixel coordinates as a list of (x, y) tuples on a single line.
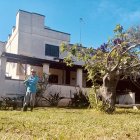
[(29, 99)]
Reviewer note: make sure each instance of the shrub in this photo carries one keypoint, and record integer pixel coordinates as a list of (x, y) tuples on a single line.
[(53, 99), (94, 99), (80, 99)]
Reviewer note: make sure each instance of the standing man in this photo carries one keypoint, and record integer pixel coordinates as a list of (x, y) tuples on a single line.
[(31, 88)]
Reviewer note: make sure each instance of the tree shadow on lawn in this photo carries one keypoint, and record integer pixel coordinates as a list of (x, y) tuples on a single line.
[(55, 107), (127, 111), (118, 110)]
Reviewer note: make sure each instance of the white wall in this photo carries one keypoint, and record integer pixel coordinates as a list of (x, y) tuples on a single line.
[(65, 91), (2, 47), (2, 74), (127, 99), (14, 87), (12, 42), (2, 68)]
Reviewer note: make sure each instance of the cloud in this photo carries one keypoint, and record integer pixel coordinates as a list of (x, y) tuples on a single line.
[(106, 8), (125, 13), (132, 17)]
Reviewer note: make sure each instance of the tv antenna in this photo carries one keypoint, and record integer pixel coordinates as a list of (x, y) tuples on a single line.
[(81, 21)]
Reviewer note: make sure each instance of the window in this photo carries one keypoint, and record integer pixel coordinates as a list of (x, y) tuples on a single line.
[(53, 79), (51, 50)]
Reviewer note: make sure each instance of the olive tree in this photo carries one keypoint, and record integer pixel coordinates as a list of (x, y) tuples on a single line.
[(112, 60)]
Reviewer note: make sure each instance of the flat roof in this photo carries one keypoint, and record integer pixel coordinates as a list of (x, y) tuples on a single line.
[(30, 12), (56, 30)]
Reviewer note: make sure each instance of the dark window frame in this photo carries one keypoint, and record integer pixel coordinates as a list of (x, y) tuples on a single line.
[(51, 50), (53, 79)]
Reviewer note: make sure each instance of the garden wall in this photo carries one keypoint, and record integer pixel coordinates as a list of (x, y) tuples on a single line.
[(14, 87)]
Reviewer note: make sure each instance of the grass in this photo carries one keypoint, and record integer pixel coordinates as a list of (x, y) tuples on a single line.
[(69, 124)]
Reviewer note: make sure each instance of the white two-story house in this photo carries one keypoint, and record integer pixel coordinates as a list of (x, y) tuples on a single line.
[(31, 44)]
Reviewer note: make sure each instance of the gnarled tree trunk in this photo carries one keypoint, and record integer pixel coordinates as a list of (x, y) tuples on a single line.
[(108, 90)]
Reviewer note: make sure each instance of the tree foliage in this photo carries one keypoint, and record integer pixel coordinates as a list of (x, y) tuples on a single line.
[(119, 56)]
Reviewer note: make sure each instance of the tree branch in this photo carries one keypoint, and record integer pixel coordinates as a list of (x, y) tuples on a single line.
[(133, 46), (132, 66), (109, 55)]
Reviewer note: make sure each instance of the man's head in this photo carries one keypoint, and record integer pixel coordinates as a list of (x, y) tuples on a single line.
[(33, 72)]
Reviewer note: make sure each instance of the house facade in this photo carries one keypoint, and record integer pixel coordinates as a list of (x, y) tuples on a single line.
[(31, 44), (30, 37)]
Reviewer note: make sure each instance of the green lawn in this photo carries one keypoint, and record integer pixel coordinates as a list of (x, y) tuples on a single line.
[(73, 124)]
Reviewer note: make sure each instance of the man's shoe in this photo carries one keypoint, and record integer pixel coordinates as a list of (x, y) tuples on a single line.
[(31, 108), (25, 108)]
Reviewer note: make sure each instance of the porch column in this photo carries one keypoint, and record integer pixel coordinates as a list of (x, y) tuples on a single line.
[(132, 95), (3, 61), (28, 69), (79, 77), (46, 68)]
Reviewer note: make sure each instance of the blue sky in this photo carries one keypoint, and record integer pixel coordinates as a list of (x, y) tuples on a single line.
[(99, 17)]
